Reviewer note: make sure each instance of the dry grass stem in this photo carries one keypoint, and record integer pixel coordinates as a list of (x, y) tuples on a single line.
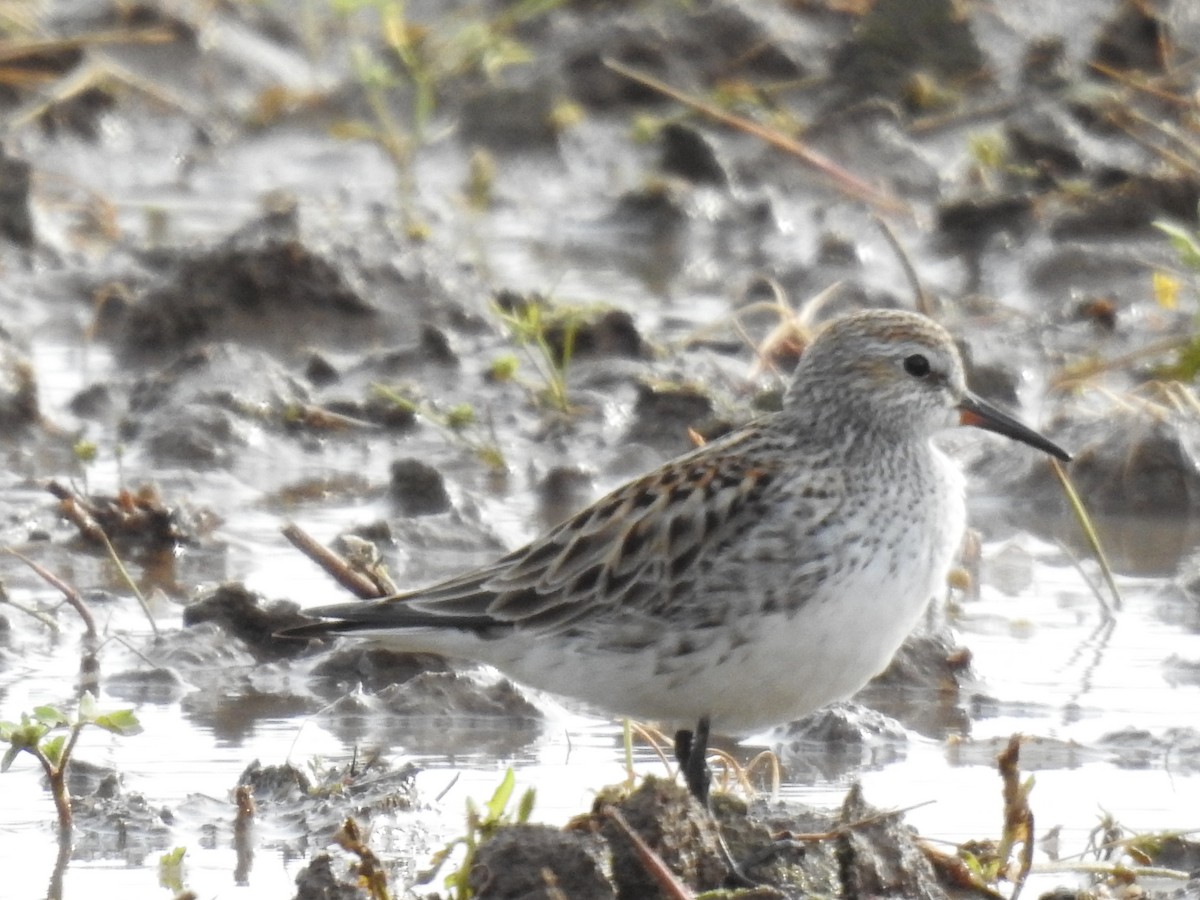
[(843, 180)]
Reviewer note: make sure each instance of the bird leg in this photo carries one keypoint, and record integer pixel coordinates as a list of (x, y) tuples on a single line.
[(691, 752)]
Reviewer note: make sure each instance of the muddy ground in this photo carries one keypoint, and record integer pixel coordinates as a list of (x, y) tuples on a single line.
[(423, 278)]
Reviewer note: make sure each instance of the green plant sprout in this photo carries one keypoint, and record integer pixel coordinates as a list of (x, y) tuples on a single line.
[(33, 735), (988, 862), (85, 453), (989, 150), (482, 824), (416, 62), (1186, 244), (480, 184), (530, 324), (170, 870), (459, 423)]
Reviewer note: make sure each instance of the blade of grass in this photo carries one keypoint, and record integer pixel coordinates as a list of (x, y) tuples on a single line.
[(128, 579), (1093, 539), (847, 182)]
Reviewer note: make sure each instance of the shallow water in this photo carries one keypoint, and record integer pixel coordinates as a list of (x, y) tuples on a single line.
[(1082, 689)]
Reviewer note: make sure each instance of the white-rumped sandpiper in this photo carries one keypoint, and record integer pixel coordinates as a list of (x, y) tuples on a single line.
[(749, 582)]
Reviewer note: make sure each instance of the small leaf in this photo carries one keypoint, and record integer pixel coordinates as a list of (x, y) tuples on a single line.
[(971, 861), (170, 870), (1185, 243), (495, 806), (1186, 365), (120, 721), (52, 749), (28, 734), (503, 368), (50, 716), (87, 707), (9, 755), (525, 807), (493, 457), (172, 857), (472, 816), (436, 862), (460, 416)]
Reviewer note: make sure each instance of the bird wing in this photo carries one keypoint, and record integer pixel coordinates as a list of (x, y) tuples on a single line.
[(628, 549)]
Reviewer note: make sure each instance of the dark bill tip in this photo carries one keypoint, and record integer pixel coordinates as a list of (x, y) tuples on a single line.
[(979, 414)]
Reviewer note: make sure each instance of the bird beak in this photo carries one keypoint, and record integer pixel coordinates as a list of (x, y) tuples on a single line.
[(975, 412)]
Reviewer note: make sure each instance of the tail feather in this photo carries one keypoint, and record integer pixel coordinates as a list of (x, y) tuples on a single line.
[(380, 616)]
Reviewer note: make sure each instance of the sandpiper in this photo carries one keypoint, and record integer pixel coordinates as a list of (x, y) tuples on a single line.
[(749, 582)]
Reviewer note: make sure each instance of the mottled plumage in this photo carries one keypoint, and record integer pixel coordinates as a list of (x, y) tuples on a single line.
[(751, 581)]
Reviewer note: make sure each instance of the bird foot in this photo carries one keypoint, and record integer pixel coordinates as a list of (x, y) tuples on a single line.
[(691, 752)]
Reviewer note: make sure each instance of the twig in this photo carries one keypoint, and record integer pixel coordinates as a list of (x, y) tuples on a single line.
[(370, 871), (97, 71), (1182, 397), (1170, 156), (120, 639), (318, 417), (1184, 142), (333, 564), (1018, 817), (243, 831), (959, 117), (32, 613), (1153, 90), (75, 513), (20, 50), (70, 594), (668, 882), (1110, 868)]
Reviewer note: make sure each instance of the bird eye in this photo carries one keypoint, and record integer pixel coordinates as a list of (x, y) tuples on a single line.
[(916, 365)]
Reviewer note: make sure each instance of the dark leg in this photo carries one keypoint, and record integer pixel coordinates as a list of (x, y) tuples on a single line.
[(691, 750)]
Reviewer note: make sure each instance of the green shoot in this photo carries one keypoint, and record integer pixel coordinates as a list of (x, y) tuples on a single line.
[(482, 824), (547, 338), (85, 452), (49, 735), (170, 870), (1186, 243), (413, 68), (460, 424)]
